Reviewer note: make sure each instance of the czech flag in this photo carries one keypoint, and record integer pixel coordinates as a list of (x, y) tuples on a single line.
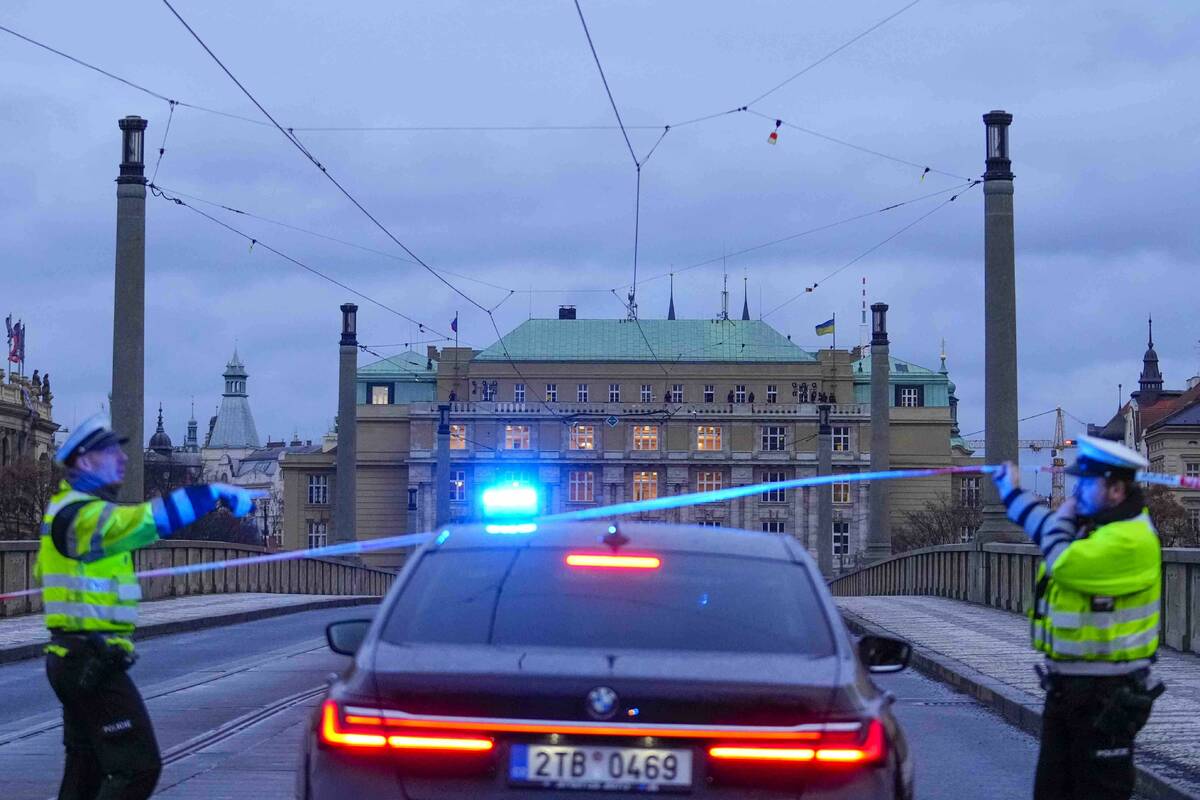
[(825, 328)]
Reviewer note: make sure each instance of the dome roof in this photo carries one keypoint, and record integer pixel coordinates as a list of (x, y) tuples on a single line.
[(160, 441)]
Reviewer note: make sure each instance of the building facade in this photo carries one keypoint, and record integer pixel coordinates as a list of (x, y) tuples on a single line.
[(603, 411)]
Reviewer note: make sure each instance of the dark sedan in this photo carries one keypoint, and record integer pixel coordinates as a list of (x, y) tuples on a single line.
[(583, 660)]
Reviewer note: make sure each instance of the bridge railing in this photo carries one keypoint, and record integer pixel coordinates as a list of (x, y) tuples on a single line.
[(1003, 576), (298, 576)]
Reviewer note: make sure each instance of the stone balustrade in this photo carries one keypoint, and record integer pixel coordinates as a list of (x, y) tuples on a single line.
[(296, 576), (1002, 576)]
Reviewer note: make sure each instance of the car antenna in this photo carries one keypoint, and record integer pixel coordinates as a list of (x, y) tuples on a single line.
[(614, 538)]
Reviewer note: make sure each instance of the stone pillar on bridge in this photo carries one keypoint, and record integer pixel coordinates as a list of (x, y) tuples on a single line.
[(879, 534), (999, 324), (345, 520), (127, 401), (824, 493), (441, 477)]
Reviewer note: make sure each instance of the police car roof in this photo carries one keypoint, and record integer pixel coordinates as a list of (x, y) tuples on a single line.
[(643, 537)]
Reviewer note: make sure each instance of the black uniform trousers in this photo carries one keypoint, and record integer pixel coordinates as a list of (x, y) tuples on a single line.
[(1077, 760), (111, 750)]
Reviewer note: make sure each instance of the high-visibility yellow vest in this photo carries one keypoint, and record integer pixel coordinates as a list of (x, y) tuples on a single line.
[(1101, 598), (91, 587)]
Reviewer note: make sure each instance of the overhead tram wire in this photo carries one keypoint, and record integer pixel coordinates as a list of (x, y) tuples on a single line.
[(807, 232), (324, 171), (438, 128), (834, 52), (871, 249), (158, 192)]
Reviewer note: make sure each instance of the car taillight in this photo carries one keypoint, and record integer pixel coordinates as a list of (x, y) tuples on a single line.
[(368, 732), (834, 747), (607, 561)]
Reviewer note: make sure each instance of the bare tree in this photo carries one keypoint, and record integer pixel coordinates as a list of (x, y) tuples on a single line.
[(25, 489), (1170, 518), (939, 521)]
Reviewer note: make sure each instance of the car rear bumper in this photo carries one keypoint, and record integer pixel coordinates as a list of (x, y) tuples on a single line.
[(335, 775)]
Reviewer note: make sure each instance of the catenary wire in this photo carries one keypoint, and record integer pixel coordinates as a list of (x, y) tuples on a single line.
[(869, 250), (834, 52), (158, 192), (162, 147)]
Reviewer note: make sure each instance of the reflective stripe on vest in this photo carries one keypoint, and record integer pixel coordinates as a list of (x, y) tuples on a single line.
[(126, 615), (1102, 619), (123, 591), (1099, 647)]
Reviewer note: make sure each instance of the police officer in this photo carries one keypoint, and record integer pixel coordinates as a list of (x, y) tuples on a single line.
[(1095, 617), (90, 596)]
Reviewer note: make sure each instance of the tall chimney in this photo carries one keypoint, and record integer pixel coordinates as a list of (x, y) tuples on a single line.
[(879, 533), (346, 517)]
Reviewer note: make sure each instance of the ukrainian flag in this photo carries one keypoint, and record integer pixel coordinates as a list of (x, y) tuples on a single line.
[(825, 327)]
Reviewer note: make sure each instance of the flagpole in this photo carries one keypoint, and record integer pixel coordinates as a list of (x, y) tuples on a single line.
[(834, 345)]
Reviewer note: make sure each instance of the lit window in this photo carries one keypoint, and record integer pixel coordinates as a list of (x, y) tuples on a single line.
[(614, 393), (583, 437), (841, 537), (647, 393), (318, 533), (739, 393), (710, 392), (708, 437), (581, 392), (909, 396), (458, 437), (488, 391), (551, 392), (645, 485), (969, 492), (841, 492), (581, 487), (772, 526), (841, 438), (381, 394), (458, 485), (677, 393), (645, 437), (773, 438), (772, 393), (773, 495), (318, 489), (709, 481), (516, 437), (519, 393)]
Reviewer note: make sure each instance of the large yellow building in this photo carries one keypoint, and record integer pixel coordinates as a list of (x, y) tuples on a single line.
[(600, 411)]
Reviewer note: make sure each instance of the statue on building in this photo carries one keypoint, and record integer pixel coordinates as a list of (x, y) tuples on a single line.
[(46, 396)]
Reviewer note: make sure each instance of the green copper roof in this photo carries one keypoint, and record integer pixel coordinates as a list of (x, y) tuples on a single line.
[(404, 366), (899, 370), (692, 340)]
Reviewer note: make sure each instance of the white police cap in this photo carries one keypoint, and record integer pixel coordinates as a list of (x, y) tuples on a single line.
[(94, 433), (1102, 458)]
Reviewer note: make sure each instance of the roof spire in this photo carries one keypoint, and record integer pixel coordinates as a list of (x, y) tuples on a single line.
[(745, 298), (671, 308), (1150, 327), (1150, 382), (943, 370)]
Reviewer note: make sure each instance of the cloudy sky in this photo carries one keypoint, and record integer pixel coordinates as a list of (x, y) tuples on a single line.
[(1106, 131)]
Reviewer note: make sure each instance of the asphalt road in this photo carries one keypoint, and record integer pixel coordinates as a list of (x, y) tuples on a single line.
[(223, 678)]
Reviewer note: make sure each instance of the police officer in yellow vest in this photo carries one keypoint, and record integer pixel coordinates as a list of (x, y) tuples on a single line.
[(90, 596), (1095, 617)]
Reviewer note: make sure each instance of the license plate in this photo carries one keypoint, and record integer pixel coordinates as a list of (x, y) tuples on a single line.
[(600, 768)]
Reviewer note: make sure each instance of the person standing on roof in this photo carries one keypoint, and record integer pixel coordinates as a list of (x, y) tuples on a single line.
[(90, 596), (1095, 616)]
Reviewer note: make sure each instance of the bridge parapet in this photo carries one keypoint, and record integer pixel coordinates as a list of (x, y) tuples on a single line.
[(297, 576), (1002, 576)]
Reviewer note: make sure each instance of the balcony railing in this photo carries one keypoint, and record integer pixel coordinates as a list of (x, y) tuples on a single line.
[(648, 410)]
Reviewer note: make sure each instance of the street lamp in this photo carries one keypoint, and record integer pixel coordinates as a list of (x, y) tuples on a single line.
[(133, 161), (349, 323), (999, 166)]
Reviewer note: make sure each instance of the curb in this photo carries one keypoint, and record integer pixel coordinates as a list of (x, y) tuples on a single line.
[(1011, 704), (34, 649)]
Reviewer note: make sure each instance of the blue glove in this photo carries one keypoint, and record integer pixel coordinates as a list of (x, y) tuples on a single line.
[(238, 500), (1007, 477)]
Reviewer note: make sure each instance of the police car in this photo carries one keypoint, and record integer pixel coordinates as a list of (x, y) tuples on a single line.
[(585, 660)]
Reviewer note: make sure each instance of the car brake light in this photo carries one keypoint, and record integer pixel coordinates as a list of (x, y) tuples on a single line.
[(357, 734), (832, 749), (605, 561)]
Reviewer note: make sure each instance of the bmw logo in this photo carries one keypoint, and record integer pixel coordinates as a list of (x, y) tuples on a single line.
[(602, 702)]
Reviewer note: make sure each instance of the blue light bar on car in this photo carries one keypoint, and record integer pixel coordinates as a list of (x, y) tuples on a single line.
[(511, 500)]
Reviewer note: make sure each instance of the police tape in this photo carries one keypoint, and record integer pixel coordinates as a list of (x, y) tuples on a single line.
[(602, 512)]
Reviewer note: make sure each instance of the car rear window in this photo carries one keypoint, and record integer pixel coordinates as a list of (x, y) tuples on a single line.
[(530, 597)]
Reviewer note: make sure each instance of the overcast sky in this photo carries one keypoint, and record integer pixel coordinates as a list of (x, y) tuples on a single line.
[(1104, 144)]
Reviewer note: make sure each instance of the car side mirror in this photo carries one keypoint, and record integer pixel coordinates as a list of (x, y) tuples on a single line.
[(883, 653), (346, 636)]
